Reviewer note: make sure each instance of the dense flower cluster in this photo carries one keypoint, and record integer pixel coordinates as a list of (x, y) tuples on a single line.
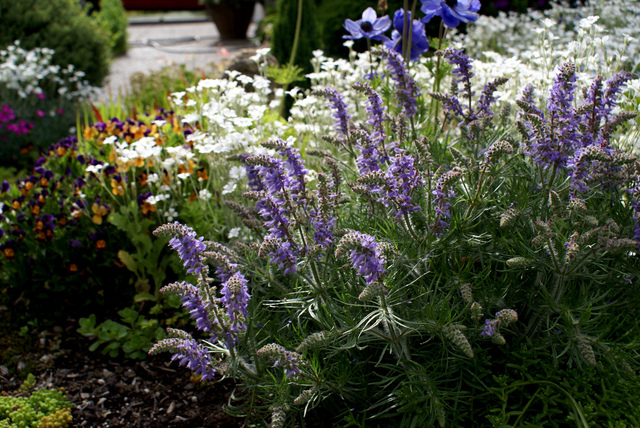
[(289, 361)]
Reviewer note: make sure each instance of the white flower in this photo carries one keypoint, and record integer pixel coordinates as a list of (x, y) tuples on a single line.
[(152, 178), (204, 194), (184, 175), (229, 187), (94, 168), (237, 172), (234, 233), (110, 140), (191, 118), (154, 199)]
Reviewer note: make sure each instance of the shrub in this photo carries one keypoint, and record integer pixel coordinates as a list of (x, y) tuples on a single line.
[(113, 19), (443, 255), (60, 25)]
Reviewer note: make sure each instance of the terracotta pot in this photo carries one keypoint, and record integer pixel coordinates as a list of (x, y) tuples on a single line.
[(232, 19)]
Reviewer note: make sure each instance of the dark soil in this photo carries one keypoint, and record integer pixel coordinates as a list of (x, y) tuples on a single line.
[(113, 392)]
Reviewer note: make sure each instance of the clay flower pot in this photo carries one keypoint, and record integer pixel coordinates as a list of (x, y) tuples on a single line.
[(231, 18)]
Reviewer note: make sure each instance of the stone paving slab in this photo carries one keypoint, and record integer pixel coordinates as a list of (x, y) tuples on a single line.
[(156, 45)]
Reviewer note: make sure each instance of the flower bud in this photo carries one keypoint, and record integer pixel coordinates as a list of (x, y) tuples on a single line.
[(453, 333)]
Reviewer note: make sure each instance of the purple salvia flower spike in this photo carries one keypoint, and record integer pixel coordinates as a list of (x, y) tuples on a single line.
[(340, 113), (406, 88)]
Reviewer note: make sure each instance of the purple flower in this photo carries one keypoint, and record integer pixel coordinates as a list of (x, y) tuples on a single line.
[(184, 241), (289, 361), (407, 90), (285, 256), (489, 328), (376, 110), (403, 179), (461, 69), (339, 107), (452, 12), (369, 159), (75, 243), (5, 186), (419, 42), (443, 192), (193, 302), (235, 297), (369, 27), (6, 114), (191, 355), (295, 171), (365, 253)]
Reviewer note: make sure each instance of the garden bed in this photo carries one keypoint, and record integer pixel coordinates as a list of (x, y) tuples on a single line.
[(118, 392)]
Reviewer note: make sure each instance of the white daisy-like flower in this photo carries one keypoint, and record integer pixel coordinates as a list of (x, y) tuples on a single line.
[(204, 194), (229, 187), (234, 233)]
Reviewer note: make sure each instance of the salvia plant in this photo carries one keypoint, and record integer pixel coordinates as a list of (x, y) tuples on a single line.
[(405, 275)]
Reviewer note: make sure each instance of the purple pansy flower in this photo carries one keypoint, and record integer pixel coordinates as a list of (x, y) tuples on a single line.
[(452, 12), (419, 42), (369, 27)]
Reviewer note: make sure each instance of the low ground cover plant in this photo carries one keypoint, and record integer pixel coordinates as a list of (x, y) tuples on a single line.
[(42, 408)]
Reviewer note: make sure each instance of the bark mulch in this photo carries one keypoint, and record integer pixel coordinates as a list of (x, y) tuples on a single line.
[(114, 392)]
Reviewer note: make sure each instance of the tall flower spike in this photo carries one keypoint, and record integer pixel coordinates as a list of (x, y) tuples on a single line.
[(376, 111), (406, 89), (403, 180), (289, 361), (454, 333), (461, 69), (188, 353), (339, 107), (184, 241), (235, 297), (365, 255), (192, 301), (442, 192)]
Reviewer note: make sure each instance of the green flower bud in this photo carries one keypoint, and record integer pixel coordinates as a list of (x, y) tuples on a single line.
[(453, 333), (586, 350)]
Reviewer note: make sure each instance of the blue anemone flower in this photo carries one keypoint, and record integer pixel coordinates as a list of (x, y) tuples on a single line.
[(419, 42), (369, 27), (452, 12)]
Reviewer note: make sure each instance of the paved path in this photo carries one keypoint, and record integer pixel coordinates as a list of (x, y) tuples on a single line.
[(156, 45)]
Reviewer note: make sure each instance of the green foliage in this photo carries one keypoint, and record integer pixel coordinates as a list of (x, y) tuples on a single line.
[(133, 337), (113, 19), (284, 32), (44, 408), (149, 259), (60, 25), (150, 90)]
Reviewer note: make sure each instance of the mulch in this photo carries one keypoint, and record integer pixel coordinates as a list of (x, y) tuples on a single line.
[(117, 392)]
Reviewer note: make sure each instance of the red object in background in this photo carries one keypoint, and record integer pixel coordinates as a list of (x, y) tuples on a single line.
[(162, 5)]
